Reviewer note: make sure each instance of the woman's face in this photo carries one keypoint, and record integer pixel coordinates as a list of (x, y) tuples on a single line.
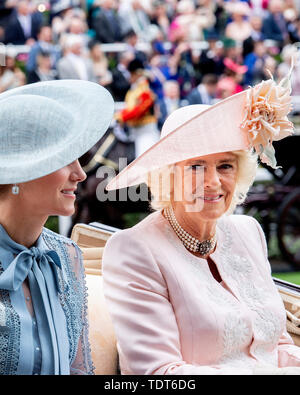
[(206, 184), (53, 194)]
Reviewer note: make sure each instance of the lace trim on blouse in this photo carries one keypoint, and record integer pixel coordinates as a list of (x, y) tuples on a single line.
[(10, 331), (74, 301)]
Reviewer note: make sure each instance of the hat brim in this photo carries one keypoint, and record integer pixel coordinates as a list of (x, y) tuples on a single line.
[(91, 107), (216, 129)]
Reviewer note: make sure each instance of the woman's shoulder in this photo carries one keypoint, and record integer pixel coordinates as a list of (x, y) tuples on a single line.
[(245, 227), (137, 239), (133, 252), (143, 229), (240, 220), (68, 251), (56, 237), (63, 245), (241, 223)]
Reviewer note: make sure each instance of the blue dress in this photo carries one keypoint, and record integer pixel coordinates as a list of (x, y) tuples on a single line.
[(43, 308)]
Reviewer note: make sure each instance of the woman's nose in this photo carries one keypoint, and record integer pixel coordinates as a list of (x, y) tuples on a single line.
[(78, 173), (212, 178)]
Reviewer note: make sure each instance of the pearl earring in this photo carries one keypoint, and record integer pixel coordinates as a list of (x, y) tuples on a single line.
[(15, 189)]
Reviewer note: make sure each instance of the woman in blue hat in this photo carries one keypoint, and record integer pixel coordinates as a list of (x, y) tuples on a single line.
[(45, 127)]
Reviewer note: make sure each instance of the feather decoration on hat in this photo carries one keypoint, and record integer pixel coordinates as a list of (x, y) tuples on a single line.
[(265, 121)]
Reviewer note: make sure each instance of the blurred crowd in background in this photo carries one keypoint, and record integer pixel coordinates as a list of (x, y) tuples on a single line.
[(191, 51)]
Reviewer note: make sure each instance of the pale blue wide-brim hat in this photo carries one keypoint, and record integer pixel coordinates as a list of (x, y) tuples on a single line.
[(47, 125)]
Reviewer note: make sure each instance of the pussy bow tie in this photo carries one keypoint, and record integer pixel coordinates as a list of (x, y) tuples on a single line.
[(30, 259)]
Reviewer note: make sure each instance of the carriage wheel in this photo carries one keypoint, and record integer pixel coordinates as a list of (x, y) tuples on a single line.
[(288, 230)]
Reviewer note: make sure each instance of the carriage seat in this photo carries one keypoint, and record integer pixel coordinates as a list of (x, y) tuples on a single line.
[(91, 239)]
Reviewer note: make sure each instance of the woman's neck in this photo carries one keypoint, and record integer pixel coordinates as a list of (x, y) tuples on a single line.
[(198, 228), (22, 226)]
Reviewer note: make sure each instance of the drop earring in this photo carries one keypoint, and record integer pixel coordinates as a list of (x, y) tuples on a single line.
[(15, 189)]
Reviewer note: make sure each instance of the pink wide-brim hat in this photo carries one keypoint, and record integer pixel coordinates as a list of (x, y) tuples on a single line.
[(251, 119), (189, 132)]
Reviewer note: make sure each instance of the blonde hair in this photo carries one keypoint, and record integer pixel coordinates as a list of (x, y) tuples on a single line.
[(160, 182)]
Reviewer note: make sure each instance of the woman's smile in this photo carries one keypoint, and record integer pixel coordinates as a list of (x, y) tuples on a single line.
[(211, 198), (69, 193)]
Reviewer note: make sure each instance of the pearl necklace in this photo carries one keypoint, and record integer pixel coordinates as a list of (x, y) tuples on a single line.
[(190, 242)]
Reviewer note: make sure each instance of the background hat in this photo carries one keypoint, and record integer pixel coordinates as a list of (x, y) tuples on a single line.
[(47, 125)]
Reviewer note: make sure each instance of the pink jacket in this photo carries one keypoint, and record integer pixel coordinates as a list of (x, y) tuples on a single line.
[(172, 317)]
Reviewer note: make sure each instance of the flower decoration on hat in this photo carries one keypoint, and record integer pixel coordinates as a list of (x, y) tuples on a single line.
[(265, 121)]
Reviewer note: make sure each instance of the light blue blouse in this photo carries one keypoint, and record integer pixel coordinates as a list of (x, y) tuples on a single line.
[(55, 340)]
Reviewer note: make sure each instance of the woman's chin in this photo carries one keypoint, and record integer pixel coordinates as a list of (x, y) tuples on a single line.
[(204, 210), (65, 212), (211, 213)]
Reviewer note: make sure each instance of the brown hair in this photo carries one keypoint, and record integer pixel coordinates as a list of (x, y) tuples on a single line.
[(4, 188)]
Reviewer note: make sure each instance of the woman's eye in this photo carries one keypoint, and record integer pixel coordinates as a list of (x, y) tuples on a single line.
[(226, 166), (223, 166)]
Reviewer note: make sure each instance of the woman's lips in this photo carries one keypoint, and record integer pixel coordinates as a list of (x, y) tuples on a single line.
[(69, 193), (211, 198)]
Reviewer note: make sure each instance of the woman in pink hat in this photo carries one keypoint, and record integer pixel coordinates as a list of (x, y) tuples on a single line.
[(189, 288)]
